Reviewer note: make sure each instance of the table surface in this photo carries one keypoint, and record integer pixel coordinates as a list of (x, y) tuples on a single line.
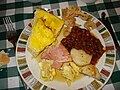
[(21, 11)]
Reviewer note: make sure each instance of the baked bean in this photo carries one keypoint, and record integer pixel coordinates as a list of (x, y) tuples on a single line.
[(82, 39)]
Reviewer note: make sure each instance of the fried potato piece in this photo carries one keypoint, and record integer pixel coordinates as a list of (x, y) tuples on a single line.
[(84, 16), (69, 14), (91, 71), (66, 31), (80, 57), (73, 11), (90, 25)]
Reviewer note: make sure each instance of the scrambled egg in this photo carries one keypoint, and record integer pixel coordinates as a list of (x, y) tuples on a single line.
[(47, 72), (70, 71), (75, 68)]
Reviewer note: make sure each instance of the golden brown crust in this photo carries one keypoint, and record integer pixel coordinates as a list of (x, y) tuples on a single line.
[(48, 22), (69, 14), (91, 70), (4, 59)]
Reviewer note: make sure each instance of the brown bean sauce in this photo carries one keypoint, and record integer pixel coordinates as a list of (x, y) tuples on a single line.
[(82, 39)]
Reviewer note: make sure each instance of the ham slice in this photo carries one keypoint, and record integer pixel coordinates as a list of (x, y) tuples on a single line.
[(59, 55), (57, 65)]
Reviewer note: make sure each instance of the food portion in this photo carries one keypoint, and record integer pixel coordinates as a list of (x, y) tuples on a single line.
[(59, 55), (80, 57), (76, 53), (4, 59), (69, 14), (47, 72), (69, 51), (91, 70), (82, 39), (70, 71), (45, 29)]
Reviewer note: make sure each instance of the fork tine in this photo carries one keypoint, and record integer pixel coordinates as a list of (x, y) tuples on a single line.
[(5, 24), (11, 32), (8, 24), (11, 25)]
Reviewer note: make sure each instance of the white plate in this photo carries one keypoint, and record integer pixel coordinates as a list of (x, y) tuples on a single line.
[(30, 71)]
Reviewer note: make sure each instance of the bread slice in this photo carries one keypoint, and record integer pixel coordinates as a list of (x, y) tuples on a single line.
[(45, 29), (90, 70)]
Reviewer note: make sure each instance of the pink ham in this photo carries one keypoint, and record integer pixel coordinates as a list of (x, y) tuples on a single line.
[(58, 54), (57, 65), (64, 50)]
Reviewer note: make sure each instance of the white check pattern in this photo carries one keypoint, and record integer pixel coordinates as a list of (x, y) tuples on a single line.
[(15, 82)]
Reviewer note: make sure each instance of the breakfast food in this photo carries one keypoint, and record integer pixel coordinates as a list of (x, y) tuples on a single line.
[(4, 59), (45, 29), (69, 51), (69, 14), (59, 55), (91, 71), (70, 71), (80, 57), (82, 39), (84, 16), (89, 25), (47, 72)]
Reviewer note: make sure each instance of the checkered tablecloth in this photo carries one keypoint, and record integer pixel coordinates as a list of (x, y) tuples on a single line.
[(21, 11)]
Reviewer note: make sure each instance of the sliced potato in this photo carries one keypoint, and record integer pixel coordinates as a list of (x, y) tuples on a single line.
[(80, 57), (91, 71)]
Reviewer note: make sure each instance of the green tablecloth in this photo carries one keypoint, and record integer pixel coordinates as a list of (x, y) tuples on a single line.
[(21, 11)]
